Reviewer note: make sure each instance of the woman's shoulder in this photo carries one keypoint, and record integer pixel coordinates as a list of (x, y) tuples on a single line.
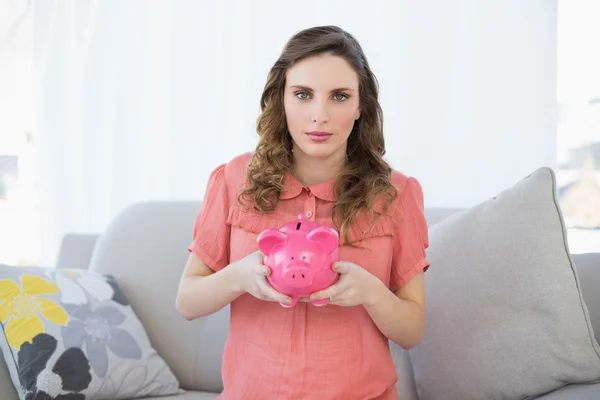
[(241, 161), (229, 177), (410, 197), (238, 164), (405, 184), (233, 171)]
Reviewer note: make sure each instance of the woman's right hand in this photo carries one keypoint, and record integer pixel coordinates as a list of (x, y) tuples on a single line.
[(252, 277)]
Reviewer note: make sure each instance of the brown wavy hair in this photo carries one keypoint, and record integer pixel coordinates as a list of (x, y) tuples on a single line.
[(365, 176)]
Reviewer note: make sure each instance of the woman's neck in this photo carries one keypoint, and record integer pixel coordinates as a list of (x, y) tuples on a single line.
[(312, 171)]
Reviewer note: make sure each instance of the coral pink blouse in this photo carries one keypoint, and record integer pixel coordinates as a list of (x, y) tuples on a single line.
[(307, 352)]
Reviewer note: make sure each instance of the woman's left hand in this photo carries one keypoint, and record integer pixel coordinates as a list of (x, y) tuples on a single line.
[(355, 286)]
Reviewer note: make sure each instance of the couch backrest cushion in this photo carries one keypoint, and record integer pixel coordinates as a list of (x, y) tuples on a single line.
[(145, 249)]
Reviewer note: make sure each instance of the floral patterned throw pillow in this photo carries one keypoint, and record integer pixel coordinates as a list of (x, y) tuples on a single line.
[(72, 335)]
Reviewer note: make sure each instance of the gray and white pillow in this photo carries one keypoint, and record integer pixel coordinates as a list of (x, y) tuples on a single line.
[(72, 335)]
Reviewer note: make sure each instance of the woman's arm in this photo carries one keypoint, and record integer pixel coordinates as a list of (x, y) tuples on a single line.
[(400, 315), (202, 291)]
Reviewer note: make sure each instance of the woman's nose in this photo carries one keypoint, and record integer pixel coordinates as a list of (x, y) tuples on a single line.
[(319, 114)]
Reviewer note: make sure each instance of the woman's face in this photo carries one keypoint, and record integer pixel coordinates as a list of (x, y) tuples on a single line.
[(321, 103)]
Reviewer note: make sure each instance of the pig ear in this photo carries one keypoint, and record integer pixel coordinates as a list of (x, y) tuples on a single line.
[(268, 239), (328, 237)]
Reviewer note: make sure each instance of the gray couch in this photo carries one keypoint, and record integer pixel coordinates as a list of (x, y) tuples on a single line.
[(145, 249)]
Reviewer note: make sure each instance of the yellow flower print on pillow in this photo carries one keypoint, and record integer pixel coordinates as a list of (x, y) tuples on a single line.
[(20, 308)]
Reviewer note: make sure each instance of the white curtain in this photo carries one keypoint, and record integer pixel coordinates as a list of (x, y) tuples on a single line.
[(140, 99)]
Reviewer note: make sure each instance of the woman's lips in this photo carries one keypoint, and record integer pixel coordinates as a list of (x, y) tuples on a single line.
[(318, 136)]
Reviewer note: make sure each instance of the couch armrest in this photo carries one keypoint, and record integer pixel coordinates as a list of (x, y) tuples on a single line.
[(588, 270), (76, 251), (405, 385), (7, 388)]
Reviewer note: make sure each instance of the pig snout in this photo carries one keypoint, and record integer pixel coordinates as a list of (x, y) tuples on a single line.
[(298, 276)]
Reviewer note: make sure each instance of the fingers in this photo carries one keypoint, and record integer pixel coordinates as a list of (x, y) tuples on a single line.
[(259, 268), (341, 267), (257, 257), (258, 286), (331, 292), (262, 270), (273, 294), (338, 267), (341, 285), (321, 295)]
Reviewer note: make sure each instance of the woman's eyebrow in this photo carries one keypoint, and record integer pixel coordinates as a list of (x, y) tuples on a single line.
[(308, 89)]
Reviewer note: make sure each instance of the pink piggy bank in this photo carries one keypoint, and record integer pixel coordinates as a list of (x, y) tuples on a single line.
[(300, 255)]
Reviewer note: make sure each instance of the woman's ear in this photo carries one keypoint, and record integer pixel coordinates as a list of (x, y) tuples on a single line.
[(357, 115)]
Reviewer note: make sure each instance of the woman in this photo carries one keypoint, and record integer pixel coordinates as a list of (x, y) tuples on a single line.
[(320, 153)]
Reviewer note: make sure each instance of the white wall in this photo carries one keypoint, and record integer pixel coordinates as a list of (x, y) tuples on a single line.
[(144, 98)]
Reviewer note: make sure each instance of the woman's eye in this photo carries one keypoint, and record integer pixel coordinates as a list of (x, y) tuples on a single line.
[(337, 97)]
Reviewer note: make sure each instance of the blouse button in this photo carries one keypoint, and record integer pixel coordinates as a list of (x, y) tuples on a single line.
[(309, 214)]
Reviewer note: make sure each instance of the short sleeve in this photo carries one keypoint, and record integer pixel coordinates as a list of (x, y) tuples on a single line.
[(412, 236), (211, 231)]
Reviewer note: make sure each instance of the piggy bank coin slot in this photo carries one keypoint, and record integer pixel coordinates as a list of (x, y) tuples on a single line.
[(298, 226)]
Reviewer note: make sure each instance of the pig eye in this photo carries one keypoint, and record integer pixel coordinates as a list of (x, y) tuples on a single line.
[(304, 257), (292, 257)]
